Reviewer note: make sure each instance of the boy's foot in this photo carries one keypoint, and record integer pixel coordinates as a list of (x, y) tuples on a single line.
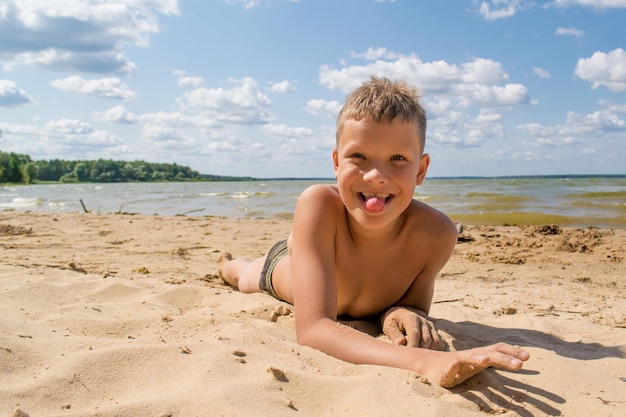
[(225, 257)]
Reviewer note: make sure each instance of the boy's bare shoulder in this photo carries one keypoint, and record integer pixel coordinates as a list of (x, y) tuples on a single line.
[(321, 199), (426, 219), (321, 193), (321, 188)]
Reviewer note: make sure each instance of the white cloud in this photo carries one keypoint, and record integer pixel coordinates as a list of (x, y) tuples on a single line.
[(65, 138), (12, 96), (284, 131), (451, 136), (541, 73), (600, 120), (175, 131), (457, 128), (79, 35), (70, 61), (478, 82), (243, 104), (603, 69), (598, 4), (498, 9), (221, 146), (321, 107), (570, 32), (248, 4), (187, 81), (161, 6), (479, 133), (534, 129), (374, 53), (251, 4), (68, 126), (117, 114), (483, 71), (488, 118), (179, 120), (605, 122), (98, 138), (448, 117), (282, 87), (112, 88), (153, 134), (588, 151)]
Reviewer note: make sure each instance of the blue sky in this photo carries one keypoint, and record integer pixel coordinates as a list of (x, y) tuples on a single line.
[(253, 87)]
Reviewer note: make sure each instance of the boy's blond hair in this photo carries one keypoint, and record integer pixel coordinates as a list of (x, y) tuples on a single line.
[(383, 100)]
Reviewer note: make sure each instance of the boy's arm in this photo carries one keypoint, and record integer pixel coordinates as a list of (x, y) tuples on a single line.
[(407, 321)]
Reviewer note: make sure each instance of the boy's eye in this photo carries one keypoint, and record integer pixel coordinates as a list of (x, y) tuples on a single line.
[(358, 155), (397, 158)]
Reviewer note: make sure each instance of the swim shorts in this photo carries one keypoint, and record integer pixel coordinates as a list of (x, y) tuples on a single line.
[(278, 252)]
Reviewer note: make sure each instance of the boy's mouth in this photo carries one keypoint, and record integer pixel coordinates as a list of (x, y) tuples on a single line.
[(375, 202)]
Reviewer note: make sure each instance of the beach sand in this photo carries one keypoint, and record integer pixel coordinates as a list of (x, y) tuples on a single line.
[(124, 315)]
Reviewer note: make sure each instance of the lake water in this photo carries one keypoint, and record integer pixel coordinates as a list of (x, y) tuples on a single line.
[(598, 201)]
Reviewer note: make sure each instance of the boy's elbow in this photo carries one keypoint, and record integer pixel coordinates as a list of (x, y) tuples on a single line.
[(305, 338), (310, 335)]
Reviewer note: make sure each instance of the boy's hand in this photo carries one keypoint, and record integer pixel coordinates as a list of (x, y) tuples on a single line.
[(411, 327)]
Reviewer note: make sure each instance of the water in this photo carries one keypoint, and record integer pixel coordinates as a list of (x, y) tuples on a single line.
[(229, 199), (573, 201)]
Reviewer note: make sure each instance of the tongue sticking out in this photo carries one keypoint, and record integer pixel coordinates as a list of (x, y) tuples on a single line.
[(375, 204)]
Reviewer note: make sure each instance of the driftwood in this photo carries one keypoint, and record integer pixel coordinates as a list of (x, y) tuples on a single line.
[(83, 204)]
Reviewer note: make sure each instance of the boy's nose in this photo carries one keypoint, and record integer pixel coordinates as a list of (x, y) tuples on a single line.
[(374, 175)]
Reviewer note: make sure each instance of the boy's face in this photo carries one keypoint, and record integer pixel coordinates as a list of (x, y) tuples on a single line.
[(377, 166)]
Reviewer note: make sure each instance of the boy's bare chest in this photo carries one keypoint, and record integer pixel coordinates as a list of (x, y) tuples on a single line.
[(369, 281)]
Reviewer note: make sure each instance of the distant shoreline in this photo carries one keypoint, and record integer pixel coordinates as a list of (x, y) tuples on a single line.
[(220, 178), (462, 177), (470, 177)]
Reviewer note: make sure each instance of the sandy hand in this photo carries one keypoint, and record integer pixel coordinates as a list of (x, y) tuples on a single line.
[(411, 327), (450, 369)]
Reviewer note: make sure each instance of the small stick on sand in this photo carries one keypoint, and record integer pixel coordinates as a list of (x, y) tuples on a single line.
[(83, 204)]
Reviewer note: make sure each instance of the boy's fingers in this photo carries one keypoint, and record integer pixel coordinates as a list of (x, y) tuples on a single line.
[(393, 332), (502, 355), (424, 337), (417, 333), (413, 337), (437, 343), (504, 361), (514, 351)]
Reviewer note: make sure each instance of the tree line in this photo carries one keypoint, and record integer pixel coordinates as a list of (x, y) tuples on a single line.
[(21, 169)]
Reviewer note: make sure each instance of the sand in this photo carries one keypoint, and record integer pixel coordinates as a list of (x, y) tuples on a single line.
[(124, 315)]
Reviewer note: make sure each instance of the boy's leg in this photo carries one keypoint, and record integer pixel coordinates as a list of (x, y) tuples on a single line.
[(241, 273)]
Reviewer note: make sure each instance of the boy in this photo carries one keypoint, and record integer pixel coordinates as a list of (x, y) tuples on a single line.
[(364, 248)]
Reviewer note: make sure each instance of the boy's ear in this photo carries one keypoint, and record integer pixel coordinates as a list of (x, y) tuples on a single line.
[(335, 161), (423, 167)]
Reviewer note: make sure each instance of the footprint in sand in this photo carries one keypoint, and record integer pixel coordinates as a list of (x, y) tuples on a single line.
[(281, 310), (277, 374)]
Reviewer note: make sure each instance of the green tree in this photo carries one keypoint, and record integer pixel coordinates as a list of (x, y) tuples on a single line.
[(81, 172), (4, 165), (29, 172), (11, 164), (69, 177), (18, 168)]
